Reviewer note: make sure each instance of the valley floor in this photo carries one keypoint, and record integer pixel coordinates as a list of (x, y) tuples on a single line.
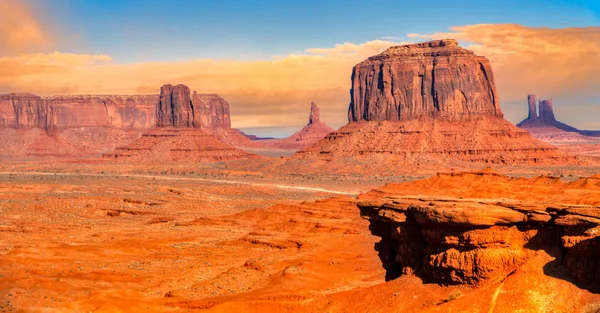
[(109, 238)]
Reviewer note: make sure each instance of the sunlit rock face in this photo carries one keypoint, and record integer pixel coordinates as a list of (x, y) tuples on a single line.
[(430, 79)]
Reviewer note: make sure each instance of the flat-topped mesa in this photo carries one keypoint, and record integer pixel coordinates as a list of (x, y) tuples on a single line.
[(430, 79), (315, 114), (177, 107), (26, 110)]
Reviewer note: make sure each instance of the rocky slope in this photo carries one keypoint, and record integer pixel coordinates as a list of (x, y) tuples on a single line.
[(176, 145), (429, 103), (314, 131)]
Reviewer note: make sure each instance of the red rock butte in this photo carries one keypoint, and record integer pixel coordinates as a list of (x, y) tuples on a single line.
[(430, 79), (180, 136), (431, 102), (77, 125)]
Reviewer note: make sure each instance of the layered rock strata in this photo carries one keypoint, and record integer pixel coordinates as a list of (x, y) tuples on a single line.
[(176, 145), (431, 102), (431, 79), (76, 125), (447, 237), (59, 112)]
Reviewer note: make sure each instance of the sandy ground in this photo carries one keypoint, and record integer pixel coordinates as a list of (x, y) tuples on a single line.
[(81, 237)]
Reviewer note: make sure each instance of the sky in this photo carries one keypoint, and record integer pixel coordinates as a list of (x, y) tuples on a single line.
[(269, 59)]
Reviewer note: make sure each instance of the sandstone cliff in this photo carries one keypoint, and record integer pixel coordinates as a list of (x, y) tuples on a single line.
[(431, 103), (56, 112), (448, 234), (436, 79), (179, 108), (75, 125)]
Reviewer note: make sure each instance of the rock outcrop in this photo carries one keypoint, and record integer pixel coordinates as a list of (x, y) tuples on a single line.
[(177, 107), (431, 79), (314, 131), (75, 125), (546, 121), (305, 137), (532, 107), (179, 135), (60, 112), (315, 114), (449, 234), (429, 103)]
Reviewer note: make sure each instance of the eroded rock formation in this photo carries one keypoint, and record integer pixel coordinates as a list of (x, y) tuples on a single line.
[(305, 137), (315, 114), (180, 136), (59, 112), (447, 236), (431, 79), (427, 103), (74, 125), (547, 127), (179, 108)]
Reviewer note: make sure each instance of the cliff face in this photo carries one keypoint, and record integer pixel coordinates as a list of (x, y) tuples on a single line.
[(75, 125), (436, 78), (214, 110), (448, 234), (175, 106), (178, 108), (58, 112)]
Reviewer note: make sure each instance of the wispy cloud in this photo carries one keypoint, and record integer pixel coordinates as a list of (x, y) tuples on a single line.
[(20, 31)]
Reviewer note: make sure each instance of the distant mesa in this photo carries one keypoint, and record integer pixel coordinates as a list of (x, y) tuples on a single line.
[(179, 108), (183, 131), (78, 125), (431, 102)]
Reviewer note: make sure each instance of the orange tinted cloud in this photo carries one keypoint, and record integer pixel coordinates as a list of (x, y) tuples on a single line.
[(19, 29), (550, 62), (556, 63), (276, 92)]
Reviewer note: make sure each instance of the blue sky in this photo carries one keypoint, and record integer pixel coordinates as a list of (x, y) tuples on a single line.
[(139, 31)]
